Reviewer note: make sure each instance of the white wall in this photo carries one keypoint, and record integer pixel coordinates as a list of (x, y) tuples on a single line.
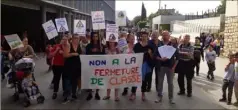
[(232, 8), (214, 21), (166, 19)]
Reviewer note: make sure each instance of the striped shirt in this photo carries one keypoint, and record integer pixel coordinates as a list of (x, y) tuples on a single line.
[(186, 48)]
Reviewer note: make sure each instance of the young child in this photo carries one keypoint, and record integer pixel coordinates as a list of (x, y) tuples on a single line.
[(210, 58), (228, 81), (236, 78), (29, 85)]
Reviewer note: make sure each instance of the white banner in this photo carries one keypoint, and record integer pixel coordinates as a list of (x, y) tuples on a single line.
[(14, 41), (98, 20), (112, 33), (121, 18), (50, 29), (111, 71), (80, 27), (61, 24)]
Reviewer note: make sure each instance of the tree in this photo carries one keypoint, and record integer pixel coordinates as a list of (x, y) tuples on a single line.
[(221, 9), (136, 20), (143, 12), (142, 24)]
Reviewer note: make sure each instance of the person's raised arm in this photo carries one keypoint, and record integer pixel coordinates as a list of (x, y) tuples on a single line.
[(67, 53)]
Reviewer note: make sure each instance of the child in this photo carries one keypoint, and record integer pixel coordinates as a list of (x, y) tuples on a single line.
[(210, 58), (29, 85), (228, 81), (236, 78)]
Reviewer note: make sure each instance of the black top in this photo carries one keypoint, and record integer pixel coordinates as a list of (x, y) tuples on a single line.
[(138, 48), (90, 47), (170, 62), (198, 51), (74, 61)]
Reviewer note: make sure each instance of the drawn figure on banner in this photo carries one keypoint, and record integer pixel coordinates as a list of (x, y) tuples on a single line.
[(62, 29), (79, 24), (112, 37)]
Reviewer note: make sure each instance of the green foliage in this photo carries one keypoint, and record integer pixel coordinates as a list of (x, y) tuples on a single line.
[(221, 9), (142, 24), (136, 20), (143, 13)]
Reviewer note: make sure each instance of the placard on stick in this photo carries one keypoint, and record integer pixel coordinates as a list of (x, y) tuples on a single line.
[(80, 27), (13, 41), (98, 20), (50, 29), (61, 24), (112, 33)]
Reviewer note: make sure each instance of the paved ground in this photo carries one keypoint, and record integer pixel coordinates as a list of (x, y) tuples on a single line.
[(205, 95)]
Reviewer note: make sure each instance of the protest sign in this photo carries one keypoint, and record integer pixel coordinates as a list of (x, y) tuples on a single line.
[(121, 18), (112, 33), (14, 41), (61, 24), (111, 71), (122, 45), (50, 29), (80, 27), (98, 20)]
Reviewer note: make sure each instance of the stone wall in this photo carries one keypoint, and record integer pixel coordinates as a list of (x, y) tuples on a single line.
[(231, 35)]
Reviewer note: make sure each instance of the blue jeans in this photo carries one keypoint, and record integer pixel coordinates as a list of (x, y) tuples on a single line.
[(67, 87)]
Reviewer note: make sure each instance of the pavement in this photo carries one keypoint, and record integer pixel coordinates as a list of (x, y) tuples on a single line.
[(205, 94)]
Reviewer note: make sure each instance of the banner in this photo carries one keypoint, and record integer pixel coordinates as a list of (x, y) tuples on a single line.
[(61, 24), (14, 41), (112, 33), (80, 27), (111, 71), (98, 20), (50, 29), (121, 18)]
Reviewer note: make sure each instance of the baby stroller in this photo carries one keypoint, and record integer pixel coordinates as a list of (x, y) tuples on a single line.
[(21, 67)]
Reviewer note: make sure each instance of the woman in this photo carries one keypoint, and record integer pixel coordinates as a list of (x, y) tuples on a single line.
[(48, 58), (72, 67), (95, 47), (111, 50), (130, 41), (57, 64)]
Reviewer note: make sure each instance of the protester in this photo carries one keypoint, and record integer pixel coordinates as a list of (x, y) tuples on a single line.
[(236, 79), (154, 43), (208, 41), (198, 53), (58, 63), (228, 81), (72, 67), (210, 58), (142, 47), (167, 67), (111, 50), (130, 41), (186, 51), (95, 47), (218, 46), (83, 43), (48, 59)]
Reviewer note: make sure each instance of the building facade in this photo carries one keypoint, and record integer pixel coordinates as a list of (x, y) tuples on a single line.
[(29, 15)]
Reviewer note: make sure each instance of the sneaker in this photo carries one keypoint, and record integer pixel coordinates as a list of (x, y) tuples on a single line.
[(222, 100), (158, 100), (171, 101), (125, 92), (97, 96), (54, 96), (189, 95), (208, 77), (181, 93), (235, 104), (89, 97), (229, 103), (65, 101)]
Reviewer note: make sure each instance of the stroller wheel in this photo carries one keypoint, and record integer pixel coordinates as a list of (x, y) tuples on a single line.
[(26, 103), (16, 97), (40, 99)]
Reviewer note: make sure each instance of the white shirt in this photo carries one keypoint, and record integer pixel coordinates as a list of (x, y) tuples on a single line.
[(236, 71), (230, 73)]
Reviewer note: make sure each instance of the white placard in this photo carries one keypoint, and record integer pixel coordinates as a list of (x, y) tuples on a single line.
[(112, 33), (111, 71), (98, 20), (166, 51), (50, 29), (14, 41), (80, 27), (61, 24), (121, 18)]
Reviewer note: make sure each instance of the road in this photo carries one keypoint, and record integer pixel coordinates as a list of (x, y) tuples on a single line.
[(205, 94)]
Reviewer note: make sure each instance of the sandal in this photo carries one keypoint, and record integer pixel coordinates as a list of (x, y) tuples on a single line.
[(117, 99), (132, 97), (106, 98), (143, 98)]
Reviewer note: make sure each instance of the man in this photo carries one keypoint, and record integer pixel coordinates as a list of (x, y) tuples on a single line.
[(198, 53), (208, 41), (167, 66), (186, 51), (154, 43)]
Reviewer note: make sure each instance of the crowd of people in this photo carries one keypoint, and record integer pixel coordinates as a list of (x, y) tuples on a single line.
[(64, 61)]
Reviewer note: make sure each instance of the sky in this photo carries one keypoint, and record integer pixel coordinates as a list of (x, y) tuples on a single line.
[(133, 7)]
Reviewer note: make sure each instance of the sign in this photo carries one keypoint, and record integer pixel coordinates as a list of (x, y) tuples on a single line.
[(50, 29), (14, 41), (61, 24), (98, 20), (80, 27), (122, 45), (121, 18), (112, 33), (111, 71)]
